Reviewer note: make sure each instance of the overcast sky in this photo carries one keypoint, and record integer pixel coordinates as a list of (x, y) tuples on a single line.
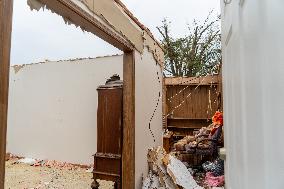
[(38, 36)]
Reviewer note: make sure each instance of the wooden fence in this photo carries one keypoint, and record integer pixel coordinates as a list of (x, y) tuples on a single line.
[(190, 103)]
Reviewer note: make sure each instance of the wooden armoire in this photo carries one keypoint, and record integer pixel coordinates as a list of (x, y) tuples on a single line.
[(107, 160)]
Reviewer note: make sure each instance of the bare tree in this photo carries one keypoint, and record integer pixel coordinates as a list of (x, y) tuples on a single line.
[(198, 53)]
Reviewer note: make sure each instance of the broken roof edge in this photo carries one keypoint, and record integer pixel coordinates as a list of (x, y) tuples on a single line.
[(16, 66), (79, 14), (136, 20), (114, 18), (119, 17)]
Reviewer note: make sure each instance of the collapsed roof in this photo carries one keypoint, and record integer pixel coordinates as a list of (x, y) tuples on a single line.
[(115, 18)]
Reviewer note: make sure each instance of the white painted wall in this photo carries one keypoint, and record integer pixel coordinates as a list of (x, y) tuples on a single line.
[(148, 78), (253, 76), (53, 108)]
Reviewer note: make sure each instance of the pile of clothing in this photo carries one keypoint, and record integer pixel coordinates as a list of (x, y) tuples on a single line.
[(189, 143), (180, 145), (214, 173)]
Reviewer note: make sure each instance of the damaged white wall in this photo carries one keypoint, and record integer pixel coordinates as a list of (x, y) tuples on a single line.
[(149, 57), (53, 108), (253, 75), (148, 86)]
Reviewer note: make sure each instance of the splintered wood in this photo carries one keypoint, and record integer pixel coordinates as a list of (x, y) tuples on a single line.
[(167, 172)]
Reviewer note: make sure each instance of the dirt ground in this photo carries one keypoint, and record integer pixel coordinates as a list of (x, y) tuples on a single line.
[(24, 176)]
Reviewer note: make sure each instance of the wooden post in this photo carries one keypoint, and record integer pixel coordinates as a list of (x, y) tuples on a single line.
[(220, 90), (165, 107), (128, 150), (6, 9)]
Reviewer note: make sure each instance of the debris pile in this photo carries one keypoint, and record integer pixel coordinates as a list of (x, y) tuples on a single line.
[(46, 163), (213, 180), (167, 172), (214, 173), (26, 176)]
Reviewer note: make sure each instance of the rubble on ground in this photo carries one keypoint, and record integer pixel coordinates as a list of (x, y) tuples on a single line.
[(103, 184), (167, 172), (24, 172), (29, 161), (25, 176), (46, 163)]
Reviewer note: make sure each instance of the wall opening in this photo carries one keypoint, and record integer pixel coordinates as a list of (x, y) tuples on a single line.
[(55, 71)]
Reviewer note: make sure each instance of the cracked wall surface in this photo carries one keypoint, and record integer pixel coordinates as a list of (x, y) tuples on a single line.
[(148, 83)]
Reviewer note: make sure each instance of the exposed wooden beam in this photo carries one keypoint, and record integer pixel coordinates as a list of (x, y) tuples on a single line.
[(6, 9), (128, 150), (204, 80), (88, 22)]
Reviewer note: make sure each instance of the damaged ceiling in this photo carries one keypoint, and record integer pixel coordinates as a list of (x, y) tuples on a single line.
[(114, 15)]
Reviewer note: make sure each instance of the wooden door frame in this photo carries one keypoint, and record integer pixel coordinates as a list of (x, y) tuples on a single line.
[(70, 10)]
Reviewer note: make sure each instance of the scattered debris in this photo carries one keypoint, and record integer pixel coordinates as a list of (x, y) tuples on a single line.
[(47, 163), (25, 176), (90, 170), (216, 167), (7, 157), (29, 161), (167, 172), (180, 174), (103, 184)]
